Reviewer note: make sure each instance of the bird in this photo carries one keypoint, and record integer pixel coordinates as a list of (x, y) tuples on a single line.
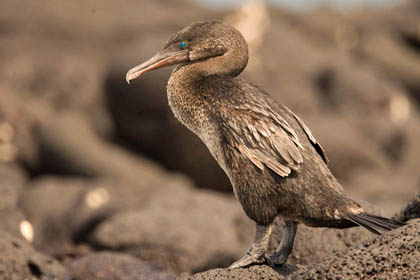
[(275, 165)]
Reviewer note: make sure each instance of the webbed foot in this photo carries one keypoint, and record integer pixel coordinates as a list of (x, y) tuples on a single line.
[(256, 254), (248, 260)]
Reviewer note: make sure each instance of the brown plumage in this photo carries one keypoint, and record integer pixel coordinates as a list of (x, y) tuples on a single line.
[(275, 164)]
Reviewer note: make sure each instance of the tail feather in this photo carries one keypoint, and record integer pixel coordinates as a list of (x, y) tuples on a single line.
[(375, 224)]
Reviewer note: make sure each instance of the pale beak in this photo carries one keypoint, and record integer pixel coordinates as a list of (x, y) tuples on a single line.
[(161, 59)]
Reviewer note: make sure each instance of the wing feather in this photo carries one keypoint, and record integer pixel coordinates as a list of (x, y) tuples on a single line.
[(267, 140), (311, 137)]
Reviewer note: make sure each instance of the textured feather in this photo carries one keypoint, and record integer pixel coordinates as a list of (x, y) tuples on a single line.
[(311, 138), (265, 138), (375, 224)]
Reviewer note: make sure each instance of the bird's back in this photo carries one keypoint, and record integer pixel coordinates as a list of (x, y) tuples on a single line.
[(270, 156)]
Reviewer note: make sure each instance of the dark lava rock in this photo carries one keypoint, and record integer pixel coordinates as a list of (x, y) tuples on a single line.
[(10, 220), (86, 153), (51, 205), (388, 191), (78, 44), (400, 47), (18, 260), (114, 266), (12, 174), (65, 210), (393, 255), (13, 111), (411, 211), (180, 228), (347, 150), (250, 273)]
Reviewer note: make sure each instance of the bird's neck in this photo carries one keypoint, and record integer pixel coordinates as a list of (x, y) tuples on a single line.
[(193, 84), (185, 98)]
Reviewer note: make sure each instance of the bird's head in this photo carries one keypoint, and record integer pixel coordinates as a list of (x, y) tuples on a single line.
[(219, 47)]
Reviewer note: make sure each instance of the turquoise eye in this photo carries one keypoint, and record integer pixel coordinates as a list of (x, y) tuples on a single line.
[(182, 44)]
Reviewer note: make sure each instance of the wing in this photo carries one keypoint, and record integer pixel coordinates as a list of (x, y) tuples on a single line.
[(264, 137), (311, 138)]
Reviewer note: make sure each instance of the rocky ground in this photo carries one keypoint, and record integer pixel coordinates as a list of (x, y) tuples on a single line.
[(99, 181)]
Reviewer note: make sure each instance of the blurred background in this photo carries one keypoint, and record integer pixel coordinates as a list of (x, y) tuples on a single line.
[(94, 170)]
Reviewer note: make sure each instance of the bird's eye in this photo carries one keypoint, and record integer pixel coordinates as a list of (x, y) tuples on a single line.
[(182, 44)]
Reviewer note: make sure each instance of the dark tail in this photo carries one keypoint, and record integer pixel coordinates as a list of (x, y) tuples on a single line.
[(375, 224)]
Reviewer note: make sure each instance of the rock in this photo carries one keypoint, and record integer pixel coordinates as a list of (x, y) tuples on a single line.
[(251, 273), (11, 185), (114, 266), (64, 211), (393, 255), (36, 90), (86, 153), (181, 229), (399, 54), (11, 173), (409, 162), (22, 142), (347, 150), (18, 260), (386, 190), (411, 211), (11, 221), (52, 205)]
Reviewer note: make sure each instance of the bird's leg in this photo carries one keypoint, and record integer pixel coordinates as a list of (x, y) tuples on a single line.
[(257, 252), (286, 243)]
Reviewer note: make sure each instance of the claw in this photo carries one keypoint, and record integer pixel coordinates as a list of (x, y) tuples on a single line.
[(246, 261), (269, 261), (256, 254)]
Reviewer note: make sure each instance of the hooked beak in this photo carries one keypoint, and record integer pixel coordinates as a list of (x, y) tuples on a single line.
[(161, 59)]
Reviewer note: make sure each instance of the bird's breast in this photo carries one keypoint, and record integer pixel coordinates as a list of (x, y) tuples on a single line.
[(187, 102), (193, 112), (188, 110)]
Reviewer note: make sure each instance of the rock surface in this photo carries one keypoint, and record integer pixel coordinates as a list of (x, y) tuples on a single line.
[(11, 186), (180, 228), (411, 211), (252, 273), (52, 207), (18, 260), (394, 255), (114, 266)]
